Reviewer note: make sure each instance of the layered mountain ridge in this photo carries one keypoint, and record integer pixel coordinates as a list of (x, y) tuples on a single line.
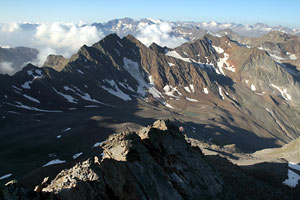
[(234, 94)]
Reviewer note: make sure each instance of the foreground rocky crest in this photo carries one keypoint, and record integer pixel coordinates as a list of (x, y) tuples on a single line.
[(155, 163)]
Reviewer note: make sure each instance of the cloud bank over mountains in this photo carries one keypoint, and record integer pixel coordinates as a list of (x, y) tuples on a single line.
[(66, 38), (159, 33)]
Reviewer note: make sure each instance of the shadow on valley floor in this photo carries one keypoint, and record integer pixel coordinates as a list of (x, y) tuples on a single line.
[(245, 140), (260, 181), (37, 139)]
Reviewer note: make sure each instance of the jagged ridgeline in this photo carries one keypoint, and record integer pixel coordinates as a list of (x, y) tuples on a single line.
[(221, 91)]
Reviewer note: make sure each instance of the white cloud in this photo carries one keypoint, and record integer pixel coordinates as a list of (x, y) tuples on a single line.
[(49, 38), (5, 46), (160, 34), (65, 38), (42, 55), (9, 27), (6, 68)]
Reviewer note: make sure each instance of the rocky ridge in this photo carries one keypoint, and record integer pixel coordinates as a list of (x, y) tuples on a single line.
[(155, 162)]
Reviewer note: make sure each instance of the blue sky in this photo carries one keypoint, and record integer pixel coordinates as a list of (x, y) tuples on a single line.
[(272, 12)]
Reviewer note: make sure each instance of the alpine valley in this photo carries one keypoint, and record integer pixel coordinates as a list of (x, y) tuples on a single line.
[(217, 117)]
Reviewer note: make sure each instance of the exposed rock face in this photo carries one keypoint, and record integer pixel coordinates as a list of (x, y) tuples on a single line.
[(57, 62), (155, 163)]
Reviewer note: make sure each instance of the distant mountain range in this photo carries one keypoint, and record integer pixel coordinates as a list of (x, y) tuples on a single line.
[(188, 31)]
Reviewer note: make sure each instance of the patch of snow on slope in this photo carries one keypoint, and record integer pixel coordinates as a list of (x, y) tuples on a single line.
[(20, 105), (31, 98), (59, 136), (174, 54), (223, 61), (218, 49), (26, 85), (253, 87), (126, 86), (292, 56), (205, 90), (220, 92), (77, 155), (119, 43), (67, 129), (134, 70), (294, 166), (275, 57), (192, 88), (97, 144), (151, 80), (81, 72), (54, 162), (292, 180), (5, 176), (84, 96), (171, 64), (187, 89), (191, 100), (169, 90), (69, 98), (116, 90), (155, 93), (283, 92), (168, 105)]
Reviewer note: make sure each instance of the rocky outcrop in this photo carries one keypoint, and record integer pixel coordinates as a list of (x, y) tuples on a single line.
[(155, 163), (57, 62)]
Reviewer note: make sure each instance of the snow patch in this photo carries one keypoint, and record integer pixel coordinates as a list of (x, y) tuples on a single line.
[(31, 98), (192, 88), (54, 162), (292, 56), (5, 176), (91, 106), (81, 72), (69, 98), (283, 92), (169, 90), (223, 61), (77, 155), (171, 64), (174, 54), (294, 166), (205, 90), (220, 92), (116, 90), (26, 85), (67, 129), (187, 89), (218, 49), (134, 70), (191, 100), (20, 105), (293, 179), (253, 87), (97, 144), (126, 86), (59, 136), (168, 105), (119, 43)]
